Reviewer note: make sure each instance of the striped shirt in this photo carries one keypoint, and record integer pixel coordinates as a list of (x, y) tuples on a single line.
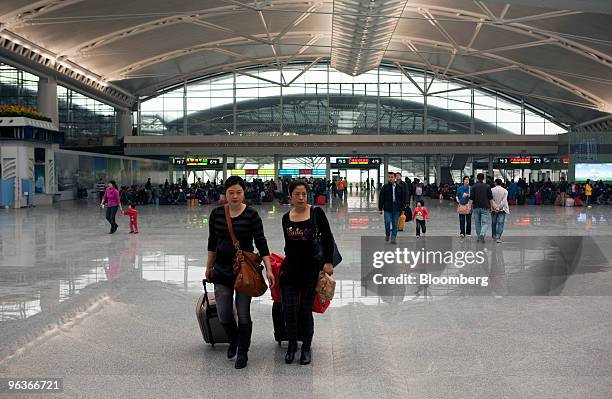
[(248, 228)]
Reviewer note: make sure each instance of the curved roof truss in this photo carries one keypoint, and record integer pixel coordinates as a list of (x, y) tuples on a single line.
[(559, 59)]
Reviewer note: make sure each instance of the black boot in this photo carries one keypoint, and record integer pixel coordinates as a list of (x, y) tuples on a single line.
[(290, 356), (306, 357), (244, 341), (231, 329)]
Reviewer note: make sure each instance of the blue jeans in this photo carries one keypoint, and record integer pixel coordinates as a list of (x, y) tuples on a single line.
[(391, 219), (481, 220), (497, 224)]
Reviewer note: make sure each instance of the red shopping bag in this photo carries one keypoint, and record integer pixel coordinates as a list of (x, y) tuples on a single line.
[(276, 261), (318, 306)]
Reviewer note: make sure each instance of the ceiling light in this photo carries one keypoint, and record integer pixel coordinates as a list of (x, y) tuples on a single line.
[(380, 17)]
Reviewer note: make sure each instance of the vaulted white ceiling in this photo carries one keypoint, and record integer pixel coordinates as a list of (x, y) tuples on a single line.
[(560, 60)]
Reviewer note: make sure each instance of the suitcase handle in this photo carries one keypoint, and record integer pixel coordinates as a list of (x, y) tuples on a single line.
[(204, 282)]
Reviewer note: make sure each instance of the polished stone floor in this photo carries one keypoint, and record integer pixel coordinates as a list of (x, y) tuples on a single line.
[(114, 314)]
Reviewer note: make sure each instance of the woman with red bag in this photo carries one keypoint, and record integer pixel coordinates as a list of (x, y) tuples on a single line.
[(300, 271)]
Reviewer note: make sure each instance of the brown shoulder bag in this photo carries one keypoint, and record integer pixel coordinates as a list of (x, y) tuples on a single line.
[(247, 266)]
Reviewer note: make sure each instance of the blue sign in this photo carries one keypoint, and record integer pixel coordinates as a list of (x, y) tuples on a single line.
[(288, 172), (318, 172)]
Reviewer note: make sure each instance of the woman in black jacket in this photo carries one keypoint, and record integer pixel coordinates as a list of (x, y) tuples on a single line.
[(300, 271), (248, 227)]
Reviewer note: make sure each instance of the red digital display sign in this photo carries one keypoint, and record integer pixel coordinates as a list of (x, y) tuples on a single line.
[(359, 161)]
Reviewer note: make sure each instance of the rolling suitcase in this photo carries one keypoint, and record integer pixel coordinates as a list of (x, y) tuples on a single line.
[(206, 313)]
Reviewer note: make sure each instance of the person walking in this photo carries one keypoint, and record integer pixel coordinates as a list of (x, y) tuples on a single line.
[(113, 202), (588, 191), (341, 188), (300, 271), (418, 190), (464, 208), (133, 214), (499, 209), (420, 215), (481, 197), (562, 192), (248, 228), (100, 188), (404, 187), (409, 189), (391, 201)]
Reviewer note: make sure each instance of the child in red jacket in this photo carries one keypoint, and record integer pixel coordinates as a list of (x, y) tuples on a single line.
[(420, 216), (133, 214)]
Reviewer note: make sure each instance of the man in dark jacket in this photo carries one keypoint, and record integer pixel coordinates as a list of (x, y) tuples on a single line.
[(391, 201), (481, 197), (408, 191), (402, 184)]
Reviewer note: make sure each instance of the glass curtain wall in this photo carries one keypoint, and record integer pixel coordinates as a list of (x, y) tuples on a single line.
[(18, 87), (81, 117), (324, 101)]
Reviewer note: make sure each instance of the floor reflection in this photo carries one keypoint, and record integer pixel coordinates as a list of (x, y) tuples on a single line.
[(50, 256)]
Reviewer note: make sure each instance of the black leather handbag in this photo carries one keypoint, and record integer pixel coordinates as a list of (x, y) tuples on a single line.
[(319, 253)]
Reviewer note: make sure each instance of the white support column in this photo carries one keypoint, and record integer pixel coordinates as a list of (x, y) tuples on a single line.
[(282, 112), (171, 168), (378, 100), (139, 116), (385, 168), (472, 120), (234, 109), (185, 125), (522, 116), (124, 123), (47, 99), (425, 127)]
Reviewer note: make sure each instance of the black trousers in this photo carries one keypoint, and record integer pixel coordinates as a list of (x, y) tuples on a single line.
[(465, 224), (111, 213), (420, 224), (297, 306)]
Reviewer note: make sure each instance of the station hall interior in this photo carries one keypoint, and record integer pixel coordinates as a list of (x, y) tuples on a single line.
[(170, 99)]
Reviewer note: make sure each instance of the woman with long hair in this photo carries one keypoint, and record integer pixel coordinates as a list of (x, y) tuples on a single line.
[(113, 203), (300, 271), (248, 228)]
